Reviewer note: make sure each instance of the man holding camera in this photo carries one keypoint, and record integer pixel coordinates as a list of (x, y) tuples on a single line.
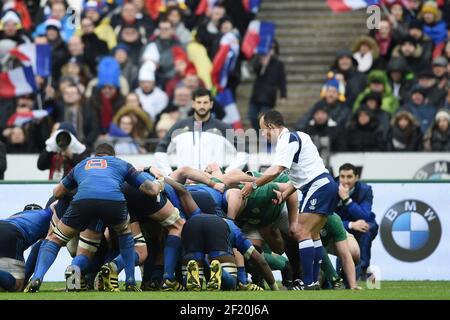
[(62, 152)]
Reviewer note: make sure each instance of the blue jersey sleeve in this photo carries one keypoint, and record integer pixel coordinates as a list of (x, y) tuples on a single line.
[(239, 241), (133, 177), (69, 181)]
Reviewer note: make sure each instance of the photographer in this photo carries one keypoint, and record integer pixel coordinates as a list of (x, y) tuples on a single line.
[(62, 152)]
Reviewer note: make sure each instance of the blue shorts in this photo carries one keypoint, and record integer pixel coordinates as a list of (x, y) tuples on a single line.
[(12, 242), (82, 213), (319, 196)]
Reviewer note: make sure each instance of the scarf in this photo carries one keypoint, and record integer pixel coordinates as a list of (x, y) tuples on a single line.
[(106, 111), (383, 44)]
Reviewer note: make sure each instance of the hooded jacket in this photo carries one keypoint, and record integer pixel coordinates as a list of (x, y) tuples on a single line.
[(389, 103), (409, 139)]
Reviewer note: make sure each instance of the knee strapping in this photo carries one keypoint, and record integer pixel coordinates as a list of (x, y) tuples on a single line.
[(90, 245), (170, 220), (139, 240), (60, 235)]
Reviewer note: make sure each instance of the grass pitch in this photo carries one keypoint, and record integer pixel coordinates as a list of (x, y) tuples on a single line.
[(390, 290)]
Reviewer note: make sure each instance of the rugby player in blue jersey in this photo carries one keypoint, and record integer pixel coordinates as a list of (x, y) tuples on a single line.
[(99, 196)]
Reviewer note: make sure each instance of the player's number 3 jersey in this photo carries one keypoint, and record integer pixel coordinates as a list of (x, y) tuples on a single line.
[(296, 152)]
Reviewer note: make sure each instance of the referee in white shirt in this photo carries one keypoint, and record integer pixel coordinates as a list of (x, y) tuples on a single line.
[(296, 152)]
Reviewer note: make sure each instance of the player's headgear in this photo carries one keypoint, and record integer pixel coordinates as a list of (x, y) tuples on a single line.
[(32, 206)]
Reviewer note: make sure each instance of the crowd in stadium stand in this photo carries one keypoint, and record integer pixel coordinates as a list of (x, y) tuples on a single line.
[(121, 72), (126, 71), (390, 91)]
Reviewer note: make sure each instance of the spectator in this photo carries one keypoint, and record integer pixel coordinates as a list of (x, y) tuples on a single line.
[(397, 20), (411, 51), (77, 70), (60, 53), (400, 78), (94, 47), (152, 98), (378, 83), (437, 138), (417, 106), (433, 94), (404, 133), (77, 50), (160, 51), (11, 28), (62, 152), (355, 210), (416, 31), (143, 124), (183, 67), (59, 13), (128, 18), (107, 100), (164, 124), (3, 162), (364, 134), (324, 132), (129, 35), (373, 102), (198, 150), (338, 111), (183, 101), (174, 15), (143, 18), (198, 55), (439, 66), (18, 142), (365, 52), (345, 70), (103, 30), (75, 112), (208, 32), (270, 78), (124, 137), (128, 68), (434, 26), (385, 40), (447, 100)]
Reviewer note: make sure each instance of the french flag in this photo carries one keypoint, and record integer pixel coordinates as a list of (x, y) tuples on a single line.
[(232, 116), (19, 119), (225, 60), (251, 5), (350, 5), (18, 81), (258, 38)]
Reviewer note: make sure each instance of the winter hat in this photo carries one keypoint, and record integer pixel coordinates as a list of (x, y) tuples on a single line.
[(11, 16), (93, 5), (334, 83), (147, 71), (108, 72), (377, 76), (418, 89), (397, 64), (53, 23), (443, 113), (416, 24), (409, 39), (121, 46), (440, 61), (426, 73), (431, 7), (344, 53)]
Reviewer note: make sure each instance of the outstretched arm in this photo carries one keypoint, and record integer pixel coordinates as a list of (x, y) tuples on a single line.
[(182, 174), (188, 203), (264, 269)]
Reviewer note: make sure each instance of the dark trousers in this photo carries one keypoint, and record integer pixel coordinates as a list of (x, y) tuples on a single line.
[(254, 111)]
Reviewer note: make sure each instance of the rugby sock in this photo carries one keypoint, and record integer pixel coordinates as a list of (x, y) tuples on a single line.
[(7, 281), (47, 255), (306, 251), (171, 252), (126, 244), (329, 272), (242, 275), (318, 249), (120, 264), (31, 260), (81, 261), (228, 281)]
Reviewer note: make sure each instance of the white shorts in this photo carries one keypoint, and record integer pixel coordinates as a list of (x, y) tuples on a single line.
[(13, 266)]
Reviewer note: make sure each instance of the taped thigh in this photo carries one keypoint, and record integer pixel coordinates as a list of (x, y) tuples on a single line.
[(139, 240), (229, 267), (170, 220), (90, 245), (60, 235)]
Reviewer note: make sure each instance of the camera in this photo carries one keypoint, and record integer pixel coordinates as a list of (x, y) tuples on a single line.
[(63, 140)]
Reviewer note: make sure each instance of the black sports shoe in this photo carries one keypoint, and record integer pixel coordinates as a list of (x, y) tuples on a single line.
[(298, 285), (33, 286)]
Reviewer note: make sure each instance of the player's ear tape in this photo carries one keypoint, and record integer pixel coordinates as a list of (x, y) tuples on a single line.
[(90, 245), (139, 240), (230, 267), (122, 228), (60, 235)]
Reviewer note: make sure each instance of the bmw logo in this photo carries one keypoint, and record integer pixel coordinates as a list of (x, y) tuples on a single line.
[(410, 230), (438, 170)]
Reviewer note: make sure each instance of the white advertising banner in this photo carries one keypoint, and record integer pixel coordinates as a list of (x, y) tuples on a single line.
[(413, 241), (398, 165)]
